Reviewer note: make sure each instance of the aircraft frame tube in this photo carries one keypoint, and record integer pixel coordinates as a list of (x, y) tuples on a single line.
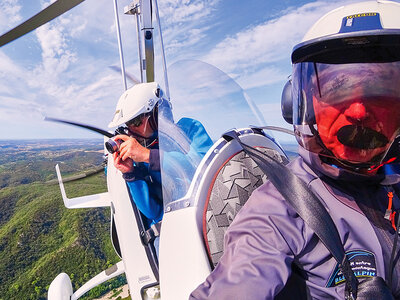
[(162, 50), (121, 54), (147, 29), (139, 40)]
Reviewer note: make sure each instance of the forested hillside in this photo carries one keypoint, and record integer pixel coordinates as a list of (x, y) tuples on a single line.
[(39, 237)]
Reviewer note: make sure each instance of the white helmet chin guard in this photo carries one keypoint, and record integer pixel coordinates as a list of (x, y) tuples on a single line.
[(139, 99)]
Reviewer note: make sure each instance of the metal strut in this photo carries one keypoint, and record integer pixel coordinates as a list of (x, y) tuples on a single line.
[(121, 54), (143, 11)]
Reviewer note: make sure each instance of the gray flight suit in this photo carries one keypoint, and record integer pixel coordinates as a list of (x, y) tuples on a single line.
[(267, 237)]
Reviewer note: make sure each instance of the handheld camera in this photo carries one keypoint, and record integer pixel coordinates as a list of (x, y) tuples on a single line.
[(113, 145)]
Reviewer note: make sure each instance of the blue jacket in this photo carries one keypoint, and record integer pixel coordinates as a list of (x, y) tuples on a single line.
[(145, 182)]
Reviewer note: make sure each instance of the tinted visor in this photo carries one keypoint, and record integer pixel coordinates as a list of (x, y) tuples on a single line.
[(341, 83), (136, 122), (355, 106)]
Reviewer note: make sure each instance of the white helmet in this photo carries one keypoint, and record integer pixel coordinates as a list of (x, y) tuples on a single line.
[(139, 99), (341, 33), (352, 46)]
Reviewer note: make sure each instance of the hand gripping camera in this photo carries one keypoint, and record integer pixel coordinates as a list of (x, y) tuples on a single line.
[(113, 145)]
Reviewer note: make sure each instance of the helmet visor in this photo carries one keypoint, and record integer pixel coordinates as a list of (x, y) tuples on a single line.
[(355, 107), (136, 121)]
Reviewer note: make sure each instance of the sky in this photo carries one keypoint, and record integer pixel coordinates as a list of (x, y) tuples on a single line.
[(62, 69)]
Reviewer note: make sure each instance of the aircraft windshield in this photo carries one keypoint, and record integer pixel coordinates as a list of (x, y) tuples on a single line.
[(199, 93)]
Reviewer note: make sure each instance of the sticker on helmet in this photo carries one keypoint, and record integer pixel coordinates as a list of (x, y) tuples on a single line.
[(359, 22)]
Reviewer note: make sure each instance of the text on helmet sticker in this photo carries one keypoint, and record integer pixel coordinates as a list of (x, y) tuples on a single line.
[(361, 15)]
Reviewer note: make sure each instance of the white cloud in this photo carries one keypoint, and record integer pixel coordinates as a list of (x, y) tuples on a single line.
[(88, 102), (67, 81), (264, 76), (178, 11), (13, 106), (186, 39), (9, 13), (54, 45), (15, 97), (249, 51), (47, 76), (269, 41), (71, 79), (8, 67), (75, 25), (185, 23)]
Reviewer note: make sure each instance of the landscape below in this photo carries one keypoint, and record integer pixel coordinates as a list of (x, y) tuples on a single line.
[(39, 237)]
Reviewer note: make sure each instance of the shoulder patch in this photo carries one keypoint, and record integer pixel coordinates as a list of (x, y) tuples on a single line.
[(362, 263)]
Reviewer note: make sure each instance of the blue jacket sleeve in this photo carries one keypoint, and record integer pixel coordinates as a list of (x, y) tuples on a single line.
[(178, 167), (197, 134), (199, 141)]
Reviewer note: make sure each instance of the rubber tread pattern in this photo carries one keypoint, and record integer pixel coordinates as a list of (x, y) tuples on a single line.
[(233, 185)]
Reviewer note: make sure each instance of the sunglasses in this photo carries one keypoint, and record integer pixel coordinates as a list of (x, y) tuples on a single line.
[(135, 122)]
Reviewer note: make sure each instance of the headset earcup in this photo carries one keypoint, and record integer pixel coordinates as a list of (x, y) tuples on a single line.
[(287, 102)]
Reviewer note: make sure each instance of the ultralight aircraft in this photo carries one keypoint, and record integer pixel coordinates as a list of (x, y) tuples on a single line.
[(211, 189)]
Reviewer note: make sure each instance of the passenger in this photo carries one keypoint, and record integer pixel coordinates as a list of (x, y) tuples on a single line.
[(138, 157), (344, 104)]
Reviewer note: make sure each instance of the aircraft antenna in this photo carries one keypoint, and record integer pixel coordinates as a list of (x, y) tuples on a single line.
[(162, 50), (121, 54)]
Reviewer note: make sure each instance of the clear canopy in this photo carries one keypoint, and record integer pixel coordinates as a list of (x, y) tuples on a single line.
[(199, 92)]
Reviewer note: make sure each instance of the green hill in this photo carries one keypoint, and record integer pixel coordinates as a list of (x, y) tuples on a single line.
[(39, 237)]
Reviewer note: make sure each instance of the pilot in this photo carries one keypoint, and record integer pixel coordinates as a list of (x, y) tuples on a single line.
[(140, 108), (344, 103)]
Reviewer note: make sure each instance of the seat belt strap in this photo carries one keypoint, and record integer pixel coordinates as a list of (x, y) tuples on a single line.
[(308, 207)]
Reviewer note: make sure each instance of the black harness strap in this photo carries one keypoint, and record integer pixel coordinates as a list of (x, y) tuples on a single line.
[(308, 207)]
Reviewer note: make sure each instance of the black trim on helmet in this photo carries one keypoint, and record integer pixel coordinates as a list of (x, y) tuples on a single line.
[(354, 47)]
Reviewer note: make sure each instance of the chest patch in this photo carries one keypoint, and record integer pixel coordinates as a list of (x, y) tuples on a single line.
[(362, 263)]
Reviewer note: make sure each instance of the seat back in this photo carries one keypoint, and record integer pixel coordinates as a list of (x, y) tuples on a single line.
[(229, 190), (197, 222)]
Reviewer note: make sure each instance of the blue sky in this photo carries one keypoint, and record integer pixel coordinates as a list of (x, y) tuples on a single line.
[(62, 69)]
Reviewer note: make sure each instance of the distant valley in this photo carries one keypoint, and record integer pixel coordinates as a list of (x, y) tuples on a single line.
[(39, 237)]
